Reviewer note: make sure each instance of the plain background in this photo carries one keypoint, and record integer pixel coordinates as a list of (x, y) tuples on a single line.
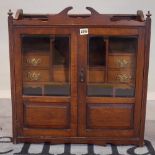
[(55, 6)]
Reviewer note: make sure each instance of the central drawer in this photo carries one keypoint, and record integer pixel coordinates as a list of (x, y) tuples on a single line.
[(96, 74)]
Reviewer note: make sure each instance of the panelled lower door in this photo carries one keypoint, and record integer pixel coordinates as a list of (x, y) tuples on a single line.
[(109, 85), (46, 82)]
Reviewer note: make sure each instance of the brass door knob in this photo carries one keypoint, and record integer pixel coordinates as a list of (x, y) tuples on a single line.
[(82, 75)]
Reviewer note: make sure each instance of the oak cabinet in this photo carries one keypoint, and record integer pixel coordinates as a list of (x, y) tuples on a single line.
[(79, 78)]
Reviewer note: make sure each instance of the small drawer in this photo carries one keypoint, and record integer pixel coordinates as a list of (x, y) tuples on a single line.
[(124, 76), (121, 61), (35, 75), (96, 75), (60, 74), (36, 61)]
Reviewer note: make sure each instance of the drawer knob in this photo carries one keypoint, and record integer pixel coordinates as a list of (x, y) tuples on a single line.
[(122, 62), (123, 77), (33, 76), (33, 61)]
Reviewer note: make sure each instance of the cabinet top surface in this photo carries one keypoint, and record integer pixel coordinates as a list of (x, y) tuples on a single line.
[(92, 19)]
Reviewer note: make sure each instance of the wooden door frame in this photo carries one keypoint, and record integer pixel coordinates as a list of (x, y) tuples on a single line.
[(82, 61), (20, 99)]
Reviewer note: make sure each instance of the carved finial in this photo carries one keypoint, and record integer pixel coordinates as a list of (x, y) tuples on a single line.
[(10, 13), (140, 15), (148, 14)]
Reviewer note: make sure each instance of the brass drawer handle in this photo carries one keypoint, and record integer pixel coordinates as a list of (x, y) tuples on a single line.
[(33, 76), (122, 62), (33, 61), (123, 77)]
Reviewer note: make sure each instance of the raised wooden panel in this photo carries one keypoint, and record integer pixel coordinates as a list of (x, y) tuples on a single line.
[(109, 116), (121, 60), (35, 75), (47, 115), (96, 74)]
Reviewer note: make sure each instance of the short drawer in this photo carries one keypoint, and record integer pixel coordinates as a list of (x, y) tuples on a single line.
[(36, 61), (96, 75), (124, 76), (36, 75), (60, 74), (46, 115), (121, 61)]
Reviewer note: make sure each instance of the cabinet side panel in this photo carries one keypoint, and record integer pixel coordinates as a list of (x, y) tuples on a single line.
[(145, 76), (13, 92)]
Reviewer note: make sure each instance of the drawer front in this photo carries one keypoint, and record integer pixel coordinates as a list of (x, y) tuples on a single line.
[(36, 75), (60, 74), (36, 61), (44, 115), (121, 61), (124, 76), (96, 75), (109, 116)]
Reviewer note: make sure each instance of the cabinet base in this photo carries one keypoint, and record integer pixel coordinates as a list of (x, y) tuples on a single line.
[(80, 140)]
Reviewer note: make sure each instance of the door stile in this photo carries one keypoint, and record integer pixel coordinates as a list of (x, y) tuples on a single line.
[(131, 109), (82, 79), (74, 93), (18, 84), (139, 81), (22, 99)]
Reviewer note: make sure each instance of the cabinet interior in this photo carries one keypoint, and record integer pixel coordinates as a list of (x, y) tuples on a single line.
[(110, 65), (46, 63)]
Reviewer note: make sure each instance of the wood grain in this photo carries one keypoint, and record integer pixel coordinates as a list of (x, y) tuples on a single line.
[(77, 117)]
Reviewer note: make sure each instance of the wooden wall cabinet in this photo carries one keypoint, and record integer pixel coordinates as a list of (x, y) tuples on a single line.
[(79, 78)]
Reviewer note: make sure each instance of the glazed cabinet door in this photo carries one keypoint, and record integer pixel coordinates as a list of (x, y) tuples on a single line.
[(110, 76), (46, 82)]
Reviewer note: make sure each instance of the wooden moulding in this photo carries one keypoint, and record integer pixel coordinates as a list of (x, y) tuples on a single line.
[(80, 140), (94, 18)]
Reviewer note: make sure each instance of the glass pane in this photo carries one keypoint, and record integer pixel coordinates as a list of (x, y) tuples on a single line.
[(46, 65), (96, 51), (60, 48), (97, 59), (115, 77)]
